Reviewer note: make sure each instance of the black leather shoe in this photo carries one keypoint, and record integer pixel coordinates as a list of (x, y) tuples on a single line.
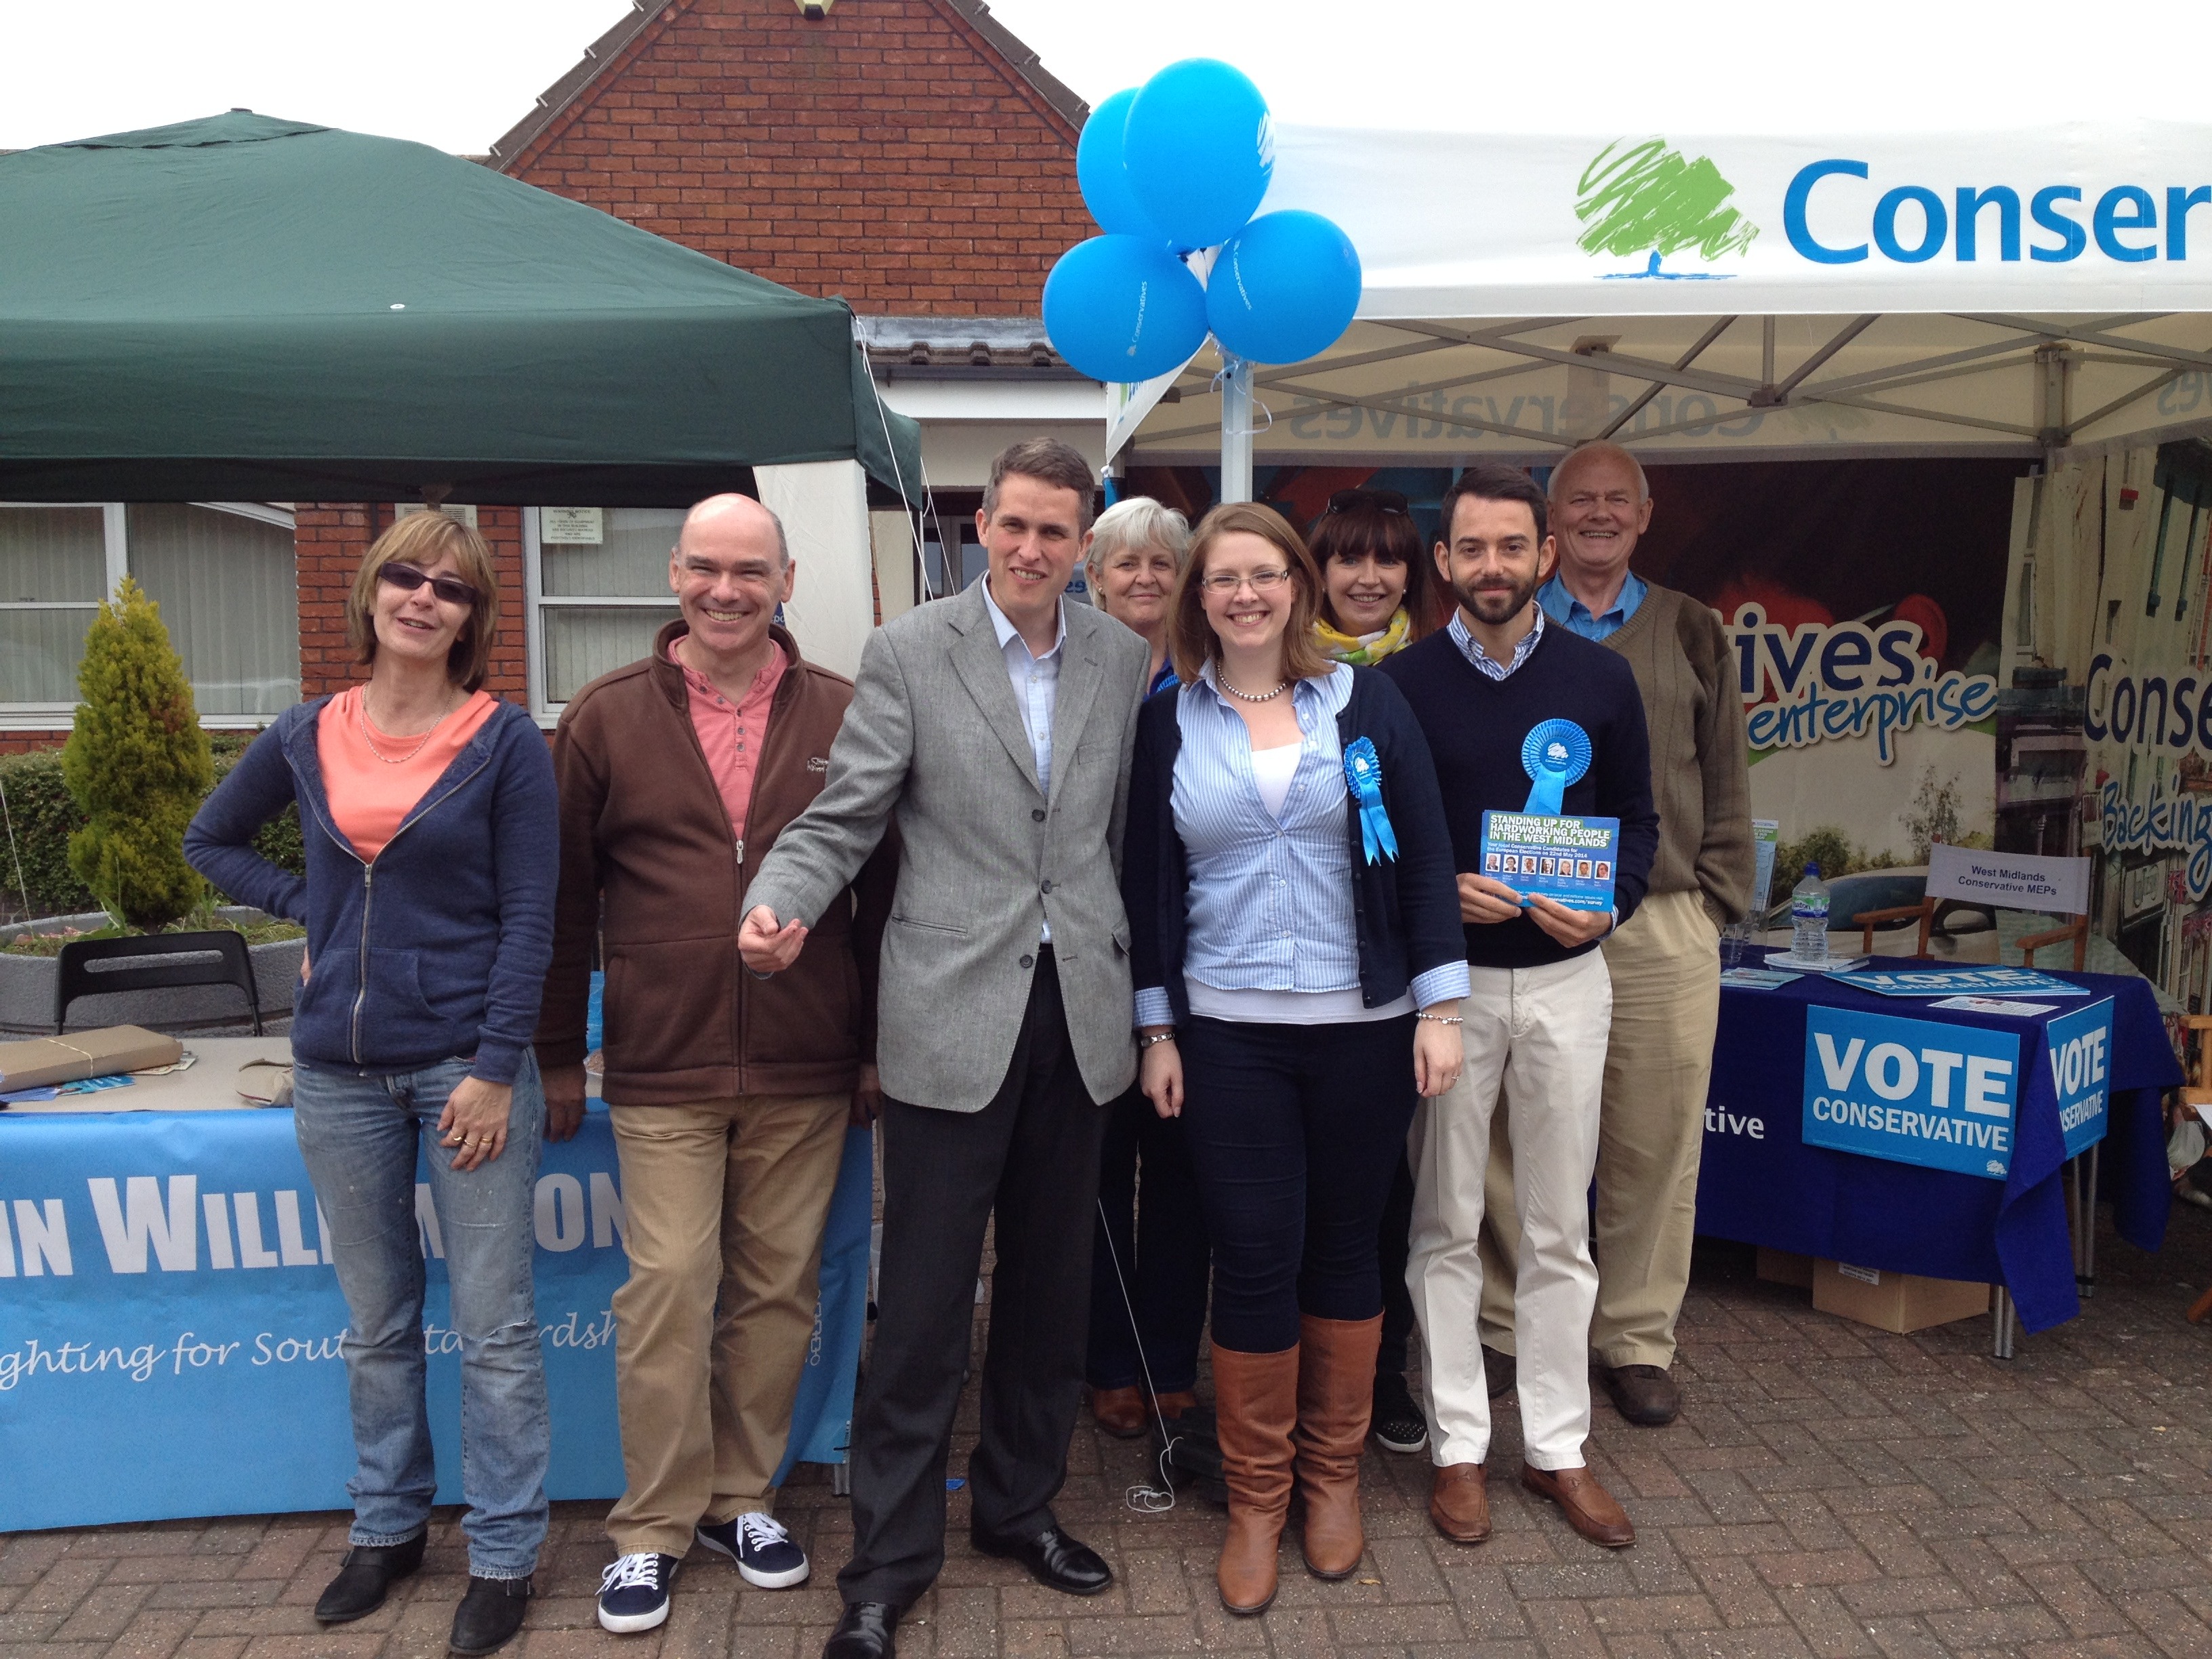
[(369, 1572), (1054, 1559), (491, 1613), (869, 1630)]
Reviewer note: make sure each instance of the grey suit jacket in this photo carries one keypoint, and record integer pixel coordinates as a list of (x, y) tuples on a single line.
[(987, 856)]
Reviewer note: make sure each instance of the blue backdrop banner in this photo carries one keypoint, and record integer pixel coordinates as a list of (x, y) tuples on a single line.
[(170, 1322)]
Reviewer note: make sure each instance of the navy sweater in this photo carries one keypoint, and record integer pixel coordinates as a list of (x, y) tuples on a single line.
[(1405, 910), (437, 950), (1476, 725)]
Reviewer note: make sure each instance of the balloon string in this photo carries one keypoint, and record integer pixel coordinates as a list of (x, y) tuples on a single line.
[(1214, 386)]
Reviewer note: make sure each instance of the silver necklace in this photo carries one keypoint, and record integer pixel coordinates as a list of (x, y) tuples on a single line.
[(1252, 696), (362, 714)]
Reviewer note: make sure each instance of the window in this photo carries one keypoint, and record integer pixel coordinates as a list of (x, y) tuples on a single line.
[(598, 592), (223, 574)]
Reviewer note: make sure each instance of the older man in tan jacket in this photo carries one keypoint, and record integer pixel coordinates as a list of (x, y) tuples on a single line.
[(1664, 960)]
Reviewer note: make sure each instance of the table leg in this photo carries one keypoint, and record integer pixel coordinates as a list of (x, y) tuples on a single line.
[(2084, 1272), (2003, 1323), (841, 1478)]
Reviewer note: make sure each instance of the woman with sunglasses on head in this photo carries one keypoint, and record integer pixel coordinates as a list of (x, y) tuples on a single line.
[(1377, 598), (1149, 1262), (1379, 601), (1299, 960), (427, 809)]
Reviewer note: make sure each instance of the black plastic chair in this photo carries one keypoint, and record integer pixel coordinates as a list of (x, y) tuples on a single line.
[(232, 966)]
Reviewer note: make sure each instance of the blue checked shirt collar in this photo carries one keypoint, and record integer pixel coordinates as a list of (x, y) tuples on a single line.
[(1471, 649)]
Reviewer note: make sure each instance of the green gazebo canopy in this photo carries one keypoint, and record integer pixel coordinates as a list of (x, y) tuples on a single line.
[(248, 308)]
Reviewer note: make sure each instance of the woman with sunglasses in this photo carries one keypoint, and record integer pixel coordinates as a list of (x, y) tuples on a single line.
[(1376, 599), (1299, 960), (427, 809)]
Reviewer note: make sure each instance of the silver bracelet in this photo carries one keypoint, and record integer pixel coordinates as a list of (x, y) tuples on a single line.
[(1144, 1042), (1442, 1019)]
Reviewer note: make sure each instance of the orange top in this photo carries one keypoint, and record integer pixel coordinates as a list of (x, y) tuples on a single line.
[(725, 727), (371, 780)]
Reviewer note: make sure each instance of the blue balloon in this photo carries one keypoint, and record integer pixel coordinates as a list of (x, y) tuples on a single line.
[(1283, 287), (1199, 151), (1123, 308), (1104, 180)]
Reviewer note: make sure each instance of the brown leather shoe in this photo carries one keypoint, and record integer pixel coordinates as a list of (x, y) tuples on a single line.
[(1120, 1411), (1590, 1509), (1643, 1395), (1459, 1504), (1175, 1401), (1336, 1397), (1255, 1409), (1499, 1371)]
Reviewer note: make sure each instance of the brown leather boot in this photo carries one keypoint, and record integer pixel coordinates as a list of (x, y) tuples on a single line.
[(1255, 1400), (1336, 1397)]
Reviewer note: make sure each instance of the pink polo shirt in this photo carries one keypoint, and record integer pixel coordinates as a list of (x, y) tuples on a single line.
[(730, 733)]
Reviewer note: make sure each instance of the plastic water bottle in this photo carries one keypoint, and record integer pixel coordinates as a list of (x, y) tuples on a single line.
[(1808, 917)]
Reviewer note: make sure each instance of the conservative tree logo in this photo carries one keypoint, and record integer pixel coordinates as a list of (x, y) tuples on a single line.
[(1649, 199)]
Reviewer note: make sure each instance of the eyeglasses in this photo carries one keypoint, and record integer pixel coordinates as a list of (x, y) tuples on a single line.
[(1373, 501), (407, 579), (1262, 582)]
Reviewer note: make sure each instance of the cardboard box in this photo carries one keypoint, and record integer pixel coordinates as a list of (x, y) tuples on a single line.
[(1894, 1301), (1785, 1268), (101, 1052)]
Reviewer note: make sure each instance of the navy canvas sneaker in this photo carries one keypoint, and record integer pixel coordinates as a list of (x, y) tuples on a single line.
[(633, 1592), (765, 1557)]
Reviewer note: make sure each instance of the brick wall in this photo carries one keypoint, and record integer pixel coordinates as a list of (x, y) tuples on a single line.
[(886, 152)]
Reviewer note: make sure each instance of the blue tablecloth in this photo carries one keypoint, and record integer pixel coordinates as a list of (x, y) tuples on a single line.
[(1776, 1190), (148, 1373)]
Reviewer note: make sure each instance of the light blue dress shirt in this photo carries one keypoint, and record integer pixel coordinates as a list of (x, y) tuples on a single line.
[(1471, 648), (1571, 614), (1270, 900), (1036, 681)]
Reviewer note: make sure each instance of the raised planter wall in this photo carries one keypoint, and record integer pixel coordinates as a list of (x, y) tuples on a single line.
[(27, 986)]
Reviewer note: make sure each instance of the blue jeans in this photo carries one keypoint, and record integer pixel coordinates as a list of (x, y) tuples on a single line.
[(359, 1133)]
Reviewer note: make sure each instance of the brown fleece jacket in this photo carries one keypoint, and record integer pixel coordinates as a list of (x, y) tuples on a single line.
[(647, 860), (1700, 772)]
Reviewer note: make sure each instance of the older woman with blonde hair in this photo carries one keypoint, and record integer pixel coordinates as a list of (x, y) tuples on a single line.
[(1131, 558), (1148, 1256), (428, 812), (1299, 961)]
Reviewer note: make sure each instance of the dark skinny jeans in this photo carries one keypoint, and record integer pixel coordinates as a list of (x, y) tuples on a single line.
[(1295, 1132)]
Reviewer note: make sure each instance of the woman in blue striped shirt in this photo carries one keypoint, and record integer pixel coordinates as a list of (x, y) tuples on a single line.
[(1298, 946)]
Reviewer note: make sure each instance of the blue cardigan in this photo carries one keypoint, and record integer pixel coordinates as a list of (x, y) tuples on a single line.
[(439, 948), (1406, 910)]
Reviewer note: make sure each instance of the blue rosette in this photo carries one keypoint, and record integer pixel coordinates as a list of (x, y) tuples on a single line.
[(1363, 775), (1555, 754)]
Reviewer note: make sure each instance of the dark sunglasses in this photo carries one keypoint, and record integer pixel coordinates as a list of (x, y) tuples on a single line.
[(1376, 501), (407, 579)]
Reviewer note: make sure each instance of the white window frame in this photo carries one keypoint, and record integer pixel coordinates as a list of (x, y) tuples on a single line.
[(535, 601), (115, 536)]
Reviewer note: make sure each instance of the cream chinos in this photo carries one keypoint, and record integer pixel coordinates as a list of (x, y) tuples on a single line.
[(724, 1204), (1540, 1032)]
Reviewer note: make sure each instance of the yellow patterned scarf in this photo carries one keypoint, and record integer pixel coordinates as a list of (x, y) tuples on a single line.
[(1367, 649)]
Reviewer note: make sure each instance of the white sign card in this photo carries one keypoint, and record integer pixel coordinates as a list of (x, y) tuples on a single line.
[(572, 527)]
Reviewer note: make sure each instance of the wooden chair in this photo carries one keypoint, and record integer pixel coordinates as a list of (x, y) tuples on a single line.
[(155, 962), (1946, 890)]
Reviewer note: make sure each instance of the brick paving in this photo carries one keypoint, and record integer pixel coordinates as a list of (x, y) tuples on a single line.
[(1831, 1489)]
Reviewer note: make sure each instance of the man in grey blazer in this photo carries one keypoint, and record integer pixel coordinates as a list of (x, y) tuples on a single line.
[(997, 728)]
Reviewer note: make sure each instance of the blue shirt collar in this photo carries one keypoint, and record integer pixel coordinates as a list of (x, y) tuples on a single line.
[(1005, 630), (1566, 609)]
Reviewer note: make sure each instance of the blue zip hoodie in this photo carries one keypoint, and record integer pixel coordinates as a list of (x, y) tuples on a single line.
[(437, 950)]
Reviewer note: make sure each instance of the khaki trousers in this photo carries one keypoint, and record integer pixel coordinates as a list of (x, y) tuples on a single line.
[(724, 1202), (1538, 1033), (1665, 965)]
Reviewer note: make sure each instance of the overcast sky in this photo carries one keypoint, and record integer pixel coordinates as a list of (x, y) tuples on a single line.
[(459, 73)]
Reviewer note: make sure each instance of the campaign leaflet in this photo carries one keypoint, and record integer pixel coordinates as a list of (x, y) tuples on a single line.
[(1964, 982), (1570, 861)]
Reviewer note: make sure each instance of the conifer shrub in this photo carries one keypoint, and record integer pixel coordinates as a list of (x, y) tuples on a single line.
[(136, 765)]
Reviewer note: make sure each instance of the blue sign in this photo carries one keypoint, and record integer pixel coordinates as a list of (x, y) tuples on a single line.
[(1911, 1090), (170, 1322), (2081, 1069), (1961, 981)]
